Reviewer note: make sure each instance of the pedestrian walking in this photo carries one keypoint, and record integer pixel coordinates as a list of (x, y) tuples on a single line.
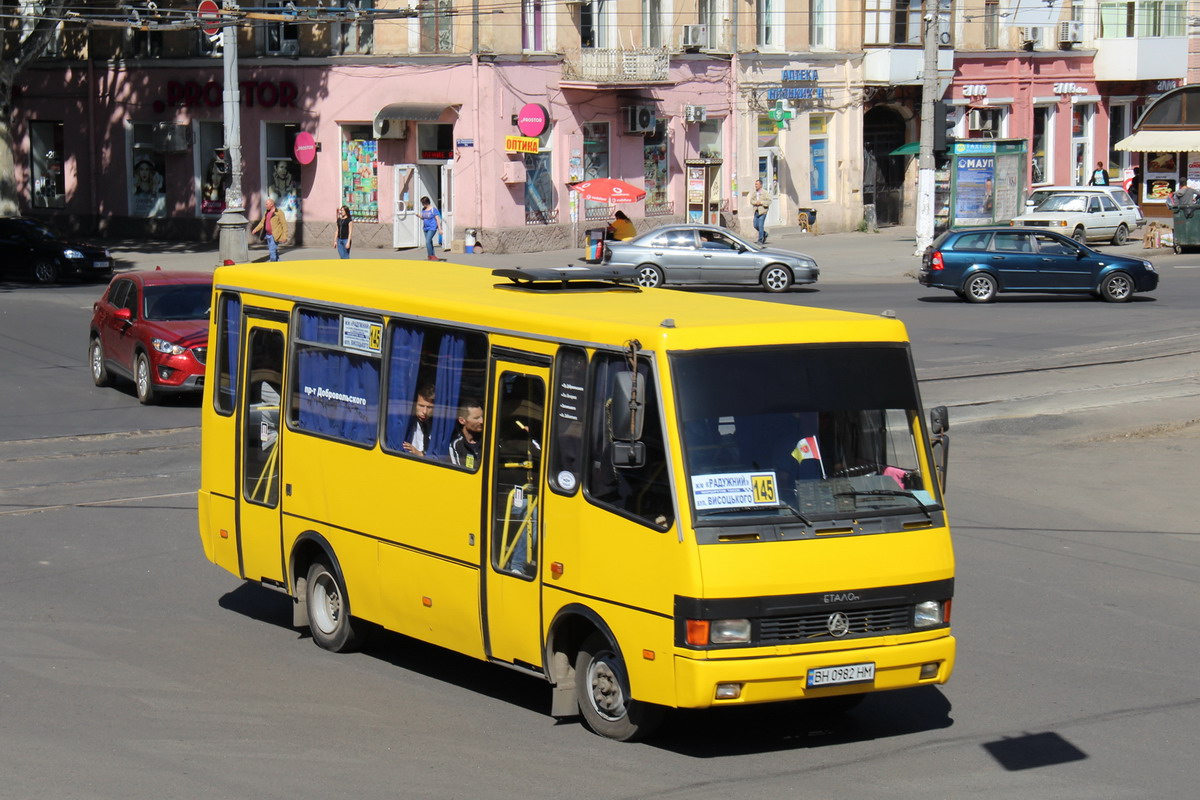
[(431, 225), (344, 233), (1099, 175), (275, 229), (760, 201)]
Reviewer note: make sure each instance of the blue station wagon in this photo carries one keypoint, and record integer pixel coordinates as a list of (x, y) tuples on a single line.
[(979, 263)]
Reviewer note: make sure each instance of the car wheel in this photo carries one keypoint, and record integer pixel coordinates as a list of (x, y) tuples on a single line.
[(1121, 236), (143, 379), (328, 608), (96, 360), (1080, 235), (600, 687), (980, 288), (776, 278), (1117, 287), (649, 276), (45, 271)]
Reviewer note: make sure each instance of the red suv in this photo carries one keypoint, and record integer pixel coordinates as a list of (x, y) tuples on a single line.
[(152, 327)]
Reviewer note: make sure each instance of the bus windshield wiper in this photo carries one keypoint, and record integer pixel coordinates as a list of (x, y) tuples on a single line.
[(745, 509), (888, 493)]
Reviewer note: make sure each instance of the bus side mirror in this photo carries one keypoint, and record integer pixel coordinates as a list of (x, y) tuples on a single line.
[(939, 424), (626, 409)]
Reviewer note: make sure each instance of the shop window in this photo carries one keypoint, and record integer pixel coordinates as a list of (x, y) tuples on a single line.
[(360, 173), (596, 164), (710, 138), (818, 156), (1040, 145), (282, 177), (657, 171), (541, 207), (147, 179), (357, 34), (212, 175), (46, 156), (1118, 129), (436, 33)]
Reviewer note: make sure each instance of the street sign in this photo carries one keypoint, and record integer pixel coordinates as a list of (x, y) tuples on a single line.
[(208, 13)]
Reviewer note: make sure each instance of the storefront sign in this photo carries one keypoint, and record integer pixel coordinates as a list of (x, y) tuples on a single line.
[(305, 147), (532, 120), (799, 75), (267, 94), (973, 204), (464, 142), (975, 90), (520, 144), (1069, 88), (437, 155), (795, 93)]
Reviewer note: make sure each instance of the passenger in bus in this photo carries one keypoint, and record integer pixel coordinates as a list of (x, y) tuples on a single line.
[(465, 449), (417, 440)]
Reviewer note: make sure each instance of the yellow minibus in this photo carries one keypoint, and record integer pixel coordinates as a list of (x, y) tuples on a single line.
[(652, 499)]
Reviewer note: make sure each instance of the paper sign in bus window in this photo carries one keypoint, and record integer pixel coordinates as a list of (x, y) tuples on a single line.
[(362, 334), (734, 490)]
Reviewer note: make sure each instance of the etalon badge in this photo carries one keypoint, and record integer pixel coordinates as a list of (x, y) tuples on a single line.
[(838, 624)]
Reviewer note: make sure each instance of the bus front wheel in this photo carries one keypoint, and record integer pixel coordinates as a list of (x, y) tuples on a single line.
[(601, 685), (329, 610)]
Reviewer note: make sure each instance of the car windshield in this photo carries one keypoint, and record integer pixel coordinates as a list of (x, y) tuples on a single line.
[(177, 302), (35, 232), (1064, 202), (809, 432)]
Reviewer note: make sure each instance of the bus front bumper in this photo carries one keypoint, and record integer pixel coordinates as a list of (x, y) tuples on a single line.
[(781, 678)]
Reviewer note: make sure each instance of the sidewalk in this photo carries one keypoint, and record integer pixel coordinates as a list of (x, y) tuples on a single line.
[(882, 257)]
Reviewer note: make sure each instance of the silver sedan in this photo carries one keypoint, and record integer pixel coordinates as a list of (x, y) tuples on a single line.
[(692, 255)]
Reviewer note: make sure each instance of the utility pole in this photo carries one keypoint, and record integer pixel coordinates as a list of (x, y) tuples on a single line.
[(930, 89), (232, 224)]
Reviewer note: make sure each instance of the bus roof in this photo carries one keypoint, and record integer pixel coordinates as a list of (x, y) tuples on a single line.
[(473, 297)]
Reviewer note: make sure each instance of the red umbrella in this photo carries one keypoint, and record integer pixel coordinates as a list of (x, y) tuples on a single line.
[(609, 190)]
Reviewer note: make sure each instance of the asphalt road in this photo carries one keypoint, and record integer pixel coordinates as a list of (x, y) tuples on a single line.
[(131, 667)]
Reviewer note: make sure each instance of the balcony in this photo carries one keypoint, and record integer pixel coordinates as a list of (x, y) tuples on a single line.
[(599, 67), (1141, 58), (901, 66)]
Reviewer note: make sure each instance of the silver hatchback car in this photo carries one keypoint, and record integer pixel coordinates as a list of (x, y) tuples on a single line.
[(704, 255)]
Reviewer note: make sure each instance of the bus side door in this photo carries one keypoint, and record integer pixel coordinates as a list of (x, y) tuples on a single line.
[(260, 431), (512, 591)]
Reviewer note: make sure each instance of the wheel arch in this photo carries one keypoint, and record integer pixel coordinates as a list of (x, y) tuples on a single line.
[(571, 626), (309, 546)]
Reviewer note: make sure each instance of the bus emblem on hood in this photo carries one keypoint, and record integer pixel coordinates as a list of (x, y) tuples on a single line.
[(838, 624)]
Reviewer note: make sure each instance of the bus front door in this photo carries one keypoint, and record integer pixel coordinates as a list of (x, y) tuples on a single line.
[(260, 535), (512, 608)]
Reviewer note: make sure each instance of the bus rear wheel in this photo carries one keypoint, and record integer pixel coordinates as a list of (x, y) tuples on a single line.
[(328, 608), (601, 685)]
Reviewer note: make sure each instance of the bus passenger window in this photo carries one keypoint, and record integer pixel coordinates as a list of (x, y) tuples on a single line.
[(642, 492), (229, 325)]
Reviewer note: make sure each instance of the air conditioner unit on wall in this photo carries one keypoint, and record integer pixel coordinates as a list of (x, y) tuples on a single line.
[(1027, 36), (639, 120), (289, 47), (695, 36), (171, 138), (391, 129), (1070, 32)]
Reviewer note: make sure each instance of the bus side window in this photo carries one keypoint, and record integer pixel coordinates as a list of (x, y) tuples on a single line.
[(642, 492), (229, 337), (566, 432)]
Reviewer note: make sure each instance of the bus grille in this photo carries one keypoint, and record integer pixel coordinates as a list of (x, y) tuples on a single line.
[(815, 627)]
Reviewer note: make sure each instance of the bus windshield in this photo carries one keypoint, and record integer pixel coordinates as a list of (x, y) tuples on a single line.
[(814, 432)]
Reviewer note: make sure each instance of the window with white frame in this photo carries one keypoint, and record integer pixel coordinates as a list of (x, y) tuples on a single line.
[(769, 21), (1119, 126), (710, 16), (281, 38), (652, 23), (991, 24), (985, 123), (596, 23), (357, 33), (1040, 144), (822, 31), (889, 22), (535, 28), (1129, 18), (436, 35)]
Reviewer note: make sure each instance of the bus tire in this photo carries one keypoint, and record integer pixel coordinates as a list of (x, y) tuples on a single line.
[(601, 687), (328, 608)]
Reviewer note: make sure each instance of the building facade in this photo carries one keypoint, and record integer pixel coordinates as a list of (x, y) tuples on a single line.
[(494, 112)]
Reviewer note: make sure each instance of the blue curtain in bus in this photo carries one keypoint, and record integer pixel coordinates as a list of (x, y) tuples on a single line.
[(449, 384), (317, 327), (338, 394), (231, 316), (403, 365)]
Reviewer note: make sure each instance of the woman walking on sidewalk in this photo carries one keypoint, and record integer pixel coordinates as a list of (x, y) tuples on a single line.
[(431, 224)]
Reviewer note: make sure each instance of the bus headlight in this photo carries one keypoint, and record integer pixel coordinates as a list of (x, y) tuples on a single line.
[(729, 631), (928, 614)]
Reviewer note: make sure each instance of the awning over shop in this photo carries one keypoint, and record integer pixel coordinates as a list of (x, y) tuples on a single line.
[(1161, 142), (406, 112), (907, 149)]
